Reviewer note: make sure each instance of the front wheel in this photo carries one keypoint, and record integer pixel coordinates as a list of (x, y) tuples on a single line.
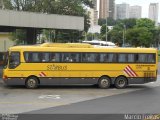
[(31, 83), (121, 82), (104, 82)]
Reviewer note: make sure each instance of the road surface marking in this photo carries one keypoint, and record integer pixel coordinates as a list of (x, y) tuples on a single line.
[(49, 97)]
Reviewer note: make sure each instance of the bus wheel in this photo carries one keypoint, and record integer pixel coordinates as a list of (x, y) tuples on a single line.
[(104, 82), (32, 83), (121, 82)]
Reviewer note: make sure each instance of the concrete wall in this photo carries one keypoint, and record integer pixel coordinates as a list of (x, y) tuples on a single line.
[(37, 20), (5, 42)]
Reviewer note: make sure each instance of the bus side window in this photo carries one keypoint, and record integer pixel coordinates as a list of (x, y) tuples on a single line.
[(131, 58), (142, 58), (90, 57), (45, 57), (36, 57), (151, 58), (55, 57), (122, 58), (112, 57), (52, 57), (103, 58)]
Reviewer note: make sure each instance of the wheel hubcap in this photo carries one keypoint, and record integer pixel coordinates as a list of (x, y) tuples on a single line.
[(31, 83), (104, 82), (121, 83)]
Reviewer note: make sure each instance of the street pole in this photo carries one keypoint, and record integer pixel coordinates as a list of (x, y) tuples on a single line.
[(107, 25), (123, 38), (124, 32), (106, 29)]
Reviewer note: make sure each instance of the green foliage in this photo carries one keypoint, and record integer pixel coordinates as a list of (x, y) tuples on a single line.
[(145, 22), (139, 37), (156, 36), (140, 32), (7, 4), (103, 32), (19, 36), (110, 22)]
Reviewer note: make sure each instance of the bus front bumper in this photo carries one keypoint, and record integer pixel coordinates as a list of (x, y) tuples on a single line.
[(14, 81)]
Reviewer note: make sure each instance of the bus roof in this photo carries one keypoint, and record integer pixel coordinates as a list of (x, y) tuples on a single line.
[(66, 47)]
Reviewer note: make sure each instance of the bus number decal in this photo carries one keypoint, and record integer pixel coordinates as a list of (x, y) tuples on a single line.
[(57, 67)]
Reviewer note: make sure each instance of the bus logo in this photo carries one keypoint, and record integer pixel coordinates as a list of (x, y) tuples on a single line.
[(42, 74), (130, 72)]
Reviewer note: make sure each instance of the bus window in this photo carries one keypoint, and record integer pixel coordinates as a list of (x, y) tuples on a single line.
[(122, 58), (112, 57), (70, 57), (151, 58), (55, 57), (142, 58), (131, 58), (32, 57), (45, 57), (14, 60), (90, 57), (108, 57), (104, 58)]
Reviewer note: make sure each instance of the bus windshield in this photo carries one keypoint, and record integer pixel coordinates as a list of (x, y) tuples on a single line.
[(14, 60)]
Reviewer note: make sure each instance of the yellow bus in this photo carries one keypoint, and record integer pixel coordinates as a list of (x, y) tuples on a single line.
[(73, 64)]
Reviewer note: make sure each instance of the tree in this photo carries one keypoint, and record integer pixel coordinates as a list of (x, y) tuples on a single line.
[(19, 36), (103, 32), (145, 22), (116, 36), (139, 37), (156, 37), (110, 21), (128, 23), (7, 4)]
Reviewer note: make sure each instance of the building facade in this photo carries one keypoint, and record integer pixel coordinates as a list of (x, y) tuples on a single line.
[(135, 12), (153, 12), (112, 9), (5, 41), (122, 11), (107, 9), (104, 9), (95, 13)]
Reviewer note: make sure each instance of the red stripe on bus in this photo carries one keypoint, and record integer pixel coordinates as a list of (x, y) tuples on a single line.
[(127, 72), (133, 71), (130, 71)]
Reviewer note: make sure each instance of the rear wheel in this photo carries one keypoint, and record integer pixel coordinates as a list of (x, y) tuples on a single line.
[(32, 83), (104, 82), (121, 82)]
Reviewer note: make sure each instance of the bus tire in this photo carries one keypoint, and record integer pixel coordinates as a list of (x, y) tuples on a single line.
[(121, 82), (31, 83), (104, 82)]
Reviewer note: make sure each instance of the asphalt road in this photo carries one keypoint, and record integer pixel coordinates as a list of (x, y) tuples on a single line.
[(16, 99), (142, 101)]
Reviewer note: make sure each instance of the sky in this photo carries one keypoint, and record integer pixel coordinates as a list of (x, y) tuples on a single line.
[(143, 3)]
